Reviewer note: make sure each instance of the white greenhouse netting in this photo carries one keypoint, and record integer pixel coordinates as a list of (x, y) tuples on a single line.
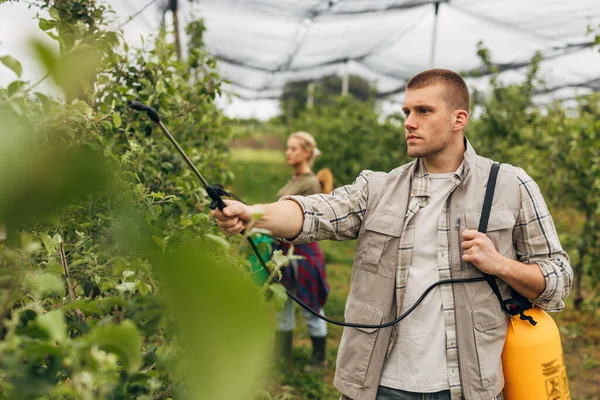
[(262, 44)]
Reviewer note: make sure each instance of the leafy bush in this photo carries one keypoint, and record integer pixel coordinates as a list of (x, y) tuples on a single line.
[(353, 138)]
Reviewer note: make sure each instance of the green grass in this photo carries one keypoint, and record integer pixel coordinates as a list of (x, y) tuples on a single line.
[(260, 173), (273, 157)]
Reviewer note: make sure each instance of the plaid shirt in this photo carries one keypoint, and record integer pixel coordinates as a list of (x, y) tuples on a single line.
[(338, 216)]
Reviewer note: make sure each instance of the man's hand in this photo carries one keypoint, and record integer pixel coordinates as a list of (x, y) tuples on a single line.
[(234, 218), (283, 218), (479, 250)]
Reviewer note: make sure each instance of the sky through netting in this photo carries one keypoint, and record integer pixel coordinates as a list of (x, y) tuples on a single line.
[(262, 44)]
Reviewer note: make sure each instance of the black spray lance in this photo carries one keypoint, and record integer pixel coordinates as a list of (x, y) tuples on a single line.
[(259, 274)]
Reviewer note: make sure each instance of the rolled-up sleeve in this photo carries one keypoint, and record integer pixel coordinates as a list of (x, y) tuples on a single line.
[(336, 216), (537, 242)]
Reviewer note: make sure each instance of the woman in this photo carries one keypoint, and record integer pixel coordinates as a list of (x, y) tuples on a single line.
[(305, 277)]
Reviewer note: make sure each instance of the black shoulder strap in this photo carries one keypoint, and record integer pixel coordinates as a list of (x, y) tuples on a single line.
[(489, 197), (483, 223), (518, 303)]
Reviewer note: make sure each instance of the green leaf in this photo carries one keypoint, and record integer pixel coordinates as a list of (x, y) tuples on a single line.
[(41, 350), (53, 323), (109, 302), (106, 125), (46, 56), (157, 195), (55, 268), (218, 240), (49, 243), (280, 297), (46, 25), (46, 102), (123, 340), (116, 119), (210, 300), (162, 243), (83, 107), (14, 87), (42, 284), (87, 307), (279, 259), (13, 64), (55, 14), (120, 265), (143, 288)]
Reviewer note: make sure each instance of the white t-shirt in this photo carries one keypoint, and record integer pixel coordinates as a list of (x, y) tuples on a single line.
[(417, 362)]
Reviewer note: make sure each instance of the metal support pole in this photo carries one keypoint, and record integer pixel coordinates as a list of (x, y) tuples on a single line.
[(310, 98), (436, 6), (345, 79), (174, 7)]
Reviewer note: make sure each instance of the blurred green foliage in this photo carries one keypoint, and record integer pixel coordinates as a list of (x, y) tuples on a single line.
[(113, 280)]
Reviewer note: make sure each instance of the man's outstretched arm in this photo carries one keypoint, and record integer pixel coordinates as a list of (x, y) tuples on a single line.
[(283, 218), (337, 216)]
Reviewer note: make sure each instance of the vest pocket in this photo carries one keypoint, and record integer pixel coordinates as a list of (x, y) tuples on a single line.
[(490, 334), (357, 344), (380, 229)]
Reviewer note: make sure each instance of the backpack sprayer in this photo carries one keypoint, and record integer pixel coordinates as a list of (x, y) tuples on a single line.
[(532, 358)]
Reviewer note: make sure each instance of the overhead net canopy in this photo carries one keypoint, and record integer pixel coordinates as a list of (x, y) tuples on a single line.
[(262, 44)]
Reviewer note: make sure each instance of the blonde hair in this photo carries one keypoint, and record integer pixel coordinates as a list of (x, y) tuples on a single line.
[(307, 141)]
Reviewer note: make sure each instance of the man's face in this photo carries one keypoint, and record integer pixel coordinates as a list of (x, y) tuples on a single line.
[(429, 121)]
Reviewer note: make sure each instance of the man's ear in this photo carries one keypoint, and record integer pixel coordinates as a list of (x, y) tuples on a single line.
[(461, 117)]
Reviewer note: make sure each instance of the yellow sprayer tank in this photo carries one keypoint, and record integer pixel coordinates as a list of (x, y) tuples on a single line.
[(532, 359)]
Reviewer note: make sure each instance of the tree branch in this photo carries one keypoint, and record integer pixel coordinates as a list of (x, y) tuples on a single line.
[(63, 261)]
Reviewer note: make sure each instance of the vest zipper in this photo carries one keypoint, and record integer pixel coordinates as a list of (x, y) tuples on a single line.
[(460, 250), (462, 385), (457, 327)]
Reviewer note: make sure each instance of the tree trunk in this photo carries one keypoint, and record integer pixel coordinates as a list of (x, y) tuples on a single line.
[(578, 295), (174, 7), (290, 111), (588, 231)]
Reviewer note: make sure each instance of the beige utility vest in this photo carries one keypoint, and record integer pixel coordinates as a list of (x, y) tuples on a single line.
[(480, 323)]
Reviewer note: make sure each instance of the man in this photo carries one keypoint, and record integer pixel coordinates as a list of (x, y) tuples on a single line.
[(415, 226)]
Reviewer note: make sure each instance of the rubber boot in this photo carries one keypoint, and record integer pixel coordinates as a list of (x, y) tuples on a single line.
[(283, 346), (319, 361)]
